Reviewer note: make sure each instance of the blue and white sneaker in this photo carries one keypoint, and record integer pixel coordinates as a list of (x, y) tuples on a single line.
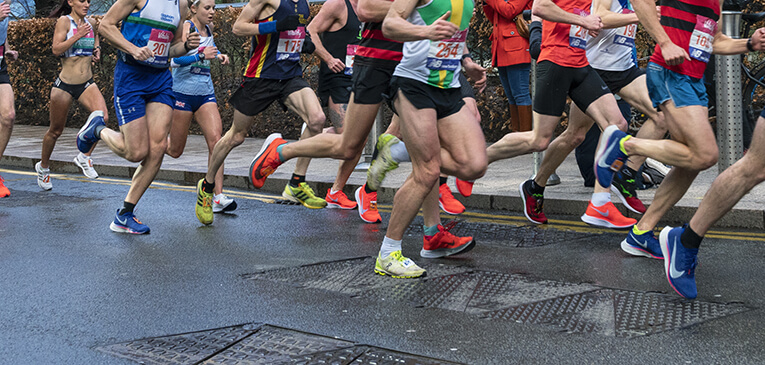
[(128, 223), (679, 262), (645, 244), (86, 137), (609, 157)]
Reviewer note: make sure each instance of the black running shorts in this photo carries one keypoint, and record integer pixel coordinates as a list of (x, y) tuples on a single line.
[(338, 88), (255, 94), (445, 101), (371, 84), (554, 82), (74, 90), (616, 80), (465, 88)]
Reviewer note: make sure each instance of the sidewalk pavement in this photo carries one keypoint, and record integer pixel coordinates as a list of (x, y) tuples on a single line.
[(498, 190)]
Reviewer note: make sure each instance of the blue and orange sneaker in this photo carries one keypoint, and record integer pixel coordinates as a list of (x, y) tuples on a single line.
[(266, 161), (645, 244), (128, 223), (86, 137), (679, 262), (610, 156)]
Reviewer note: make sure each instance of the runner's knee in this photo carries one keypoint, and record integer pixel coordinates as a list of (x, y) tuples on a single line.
[(7, 119), (316, 122), (136, 155)]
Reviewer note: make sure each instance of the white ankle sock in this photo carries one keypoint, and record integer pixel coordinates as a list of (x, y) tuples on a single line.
[(399, 152), (389, 246), (600, 199)]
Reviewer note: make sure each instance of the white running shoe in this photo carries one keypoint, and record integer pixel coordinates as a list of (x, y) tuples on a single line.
[(43, 177), (222, 203), (86, 165)]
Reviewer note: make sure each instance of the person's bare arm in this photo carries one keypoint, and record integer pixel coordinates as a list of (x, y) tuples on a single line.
[(373, 11), (646, 12), (109, 30), (548, 10), (60, 43), (611, 19), (395, 26), (182, 40), (322, 22)]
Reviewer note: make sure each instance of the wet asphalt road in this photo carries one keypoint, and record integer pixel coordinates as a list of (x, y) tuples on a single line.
[(70, 287)]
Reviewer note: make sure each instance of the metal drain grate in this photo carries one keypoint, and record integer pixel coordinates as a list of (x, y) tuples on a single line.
[(369, 356), (284, 202)]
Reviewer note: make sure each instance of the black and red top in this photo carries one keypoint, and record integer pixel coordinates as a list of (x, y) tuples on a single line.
[(690, 24), (377, 50)]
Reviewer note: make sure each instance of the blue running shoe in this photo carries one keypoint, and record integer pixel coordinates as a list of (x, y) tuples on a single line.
[(609, 157), (86, 137), (128, 223), (645, 244), (679, 262)]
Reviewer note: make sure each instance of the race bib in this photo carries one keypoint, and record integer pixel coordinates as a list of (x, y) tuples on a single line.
[(700, 47), (577, 36), (159, 43), (290, 44), (446, 55), (626, 36), (84, 46), (350, 54)]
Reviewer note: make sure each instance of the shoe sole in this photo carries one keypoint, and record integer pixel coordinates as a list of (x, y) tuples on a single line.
[(634, 251), (602, 223), (465, 193), (263, 149), (83, 170), (444, 252), (523, 198), (602, 144), (624, 201), (332, 205), (358, 206), (121, 229), (229, 208), (85, 127), (296, 200), (664, 243), (448, 212), (385, 273), (658, 166)]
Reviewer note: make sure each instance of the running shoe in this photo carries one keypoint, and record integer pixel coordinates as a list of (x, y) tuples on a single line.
[(266, 161), (367, 204), (610, 157), (303, 194), (128, 223), (444, 243), (465, 187), (86, 137), (679, 262), (606, 216), (203, 208), (448, 202), (654, 171), (221, 204), (645, 244), (383, 162), (398, 266), (43, 177), (4, 192), (624, 186), (533, 204), (339, 200), (85, 164)]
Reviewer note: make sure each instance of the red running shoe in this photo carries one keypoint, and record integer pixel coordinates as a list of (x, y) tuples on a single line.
[(445, 243), (465, 187), (266, 161), (533, 204), (447, 202), (339, 200), (367, 204), (607, 216), (3, 190)]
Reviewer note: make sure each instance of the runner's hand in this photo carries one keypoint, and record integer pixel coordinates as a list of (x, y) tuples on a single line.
[(5, 10), (223, 58), (442, 28), (210, 52), (192, 41), (291, 22), (476, 73), (758, 39), (336, 65), (673, 54), (592, 23), (83, 29), (11, 54), (142, 54), (96, 54)]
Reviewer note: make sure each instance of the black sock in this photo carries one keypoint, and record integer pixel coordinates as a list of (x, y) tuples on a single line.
[(296, 180), (534, 188), (208, 187), (689, 238), (367, 189), (442, 180), (98, 130), (127, 208)]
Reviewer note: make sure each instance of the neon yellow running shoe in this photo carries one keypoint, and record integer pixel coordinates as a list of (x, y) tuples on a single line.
[(398, 266), (383, 161), (303, 194), (204, 205)]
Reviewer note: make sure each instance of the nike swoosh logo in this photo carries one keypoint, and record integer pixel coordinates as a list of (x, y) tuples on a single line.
[(608, 152), (122, 222), (674, 273), (81, 137), (605, 214)]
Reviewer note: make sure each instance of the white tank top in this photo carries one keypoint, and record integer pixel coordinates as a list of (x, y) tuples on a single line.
[(83, 46), (612, 49)]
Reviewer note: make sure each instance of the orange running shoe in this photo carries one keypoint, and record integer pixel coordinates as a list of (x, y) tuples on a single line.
[(465, 187), (339, 200), (448, 202), (266, 161), (445, 243), (607, 216), (367, 204), (3, 190)]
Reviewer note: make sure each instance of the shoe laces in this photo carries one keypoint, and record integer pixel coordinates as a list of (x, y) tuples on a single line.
[(307, 189), (136, 220), (539, 201)]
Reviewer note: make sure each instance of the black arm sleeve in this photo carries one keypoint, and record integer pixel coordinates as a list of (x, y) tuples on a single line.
[(535, 39)]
